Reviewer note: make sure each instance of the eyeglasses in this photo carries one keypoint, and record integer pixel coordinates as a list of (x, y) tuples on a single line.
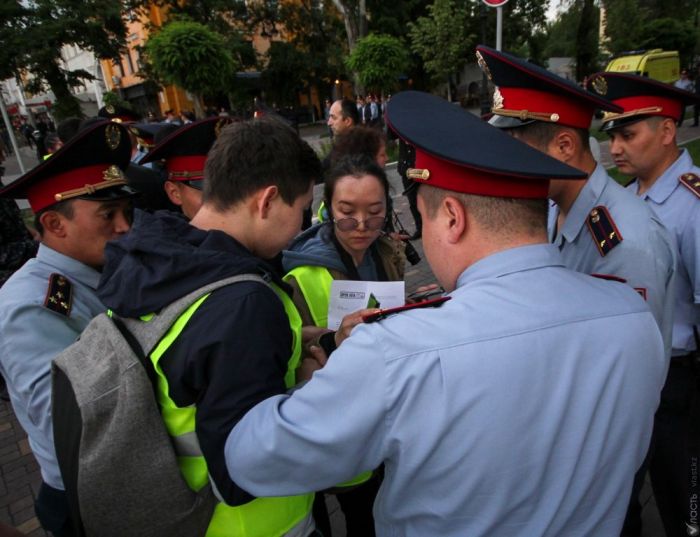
[(373, 223)]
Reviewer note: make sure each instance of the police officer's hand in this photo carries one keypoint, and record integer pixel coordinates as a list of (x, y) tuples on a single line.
[(350, 321)]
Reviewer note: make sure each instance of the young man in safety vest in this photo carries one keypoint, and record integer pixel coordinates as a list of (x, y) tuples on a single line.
[(234, 347)]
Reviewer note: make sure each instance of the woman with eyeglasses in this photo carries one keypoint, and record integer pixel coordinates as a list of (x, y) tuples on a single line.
[(351, 245)]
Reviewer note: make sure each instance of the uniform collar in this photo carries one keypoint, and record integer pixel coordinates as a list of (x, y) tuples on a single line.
[(512, 260), (71, 268), (664, 186), (585, 201)]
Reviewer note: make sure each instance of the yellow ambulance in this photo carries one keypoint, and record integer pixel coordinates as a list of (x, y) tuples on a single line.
[(657, 64)]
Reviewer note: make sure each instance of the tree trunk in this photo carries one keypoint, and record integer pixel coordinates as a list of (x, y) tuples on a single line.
[(351, 28), (66, 104), (198, 108), (449, 89)]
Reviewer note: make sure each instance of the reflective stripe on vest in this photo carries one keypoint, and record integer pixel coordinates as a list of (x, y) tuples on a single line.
[(315, 284), (288, 516)]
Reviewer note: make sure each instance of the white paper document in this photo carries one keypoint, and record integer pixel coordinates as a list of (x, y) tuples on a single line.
[(348, 296)]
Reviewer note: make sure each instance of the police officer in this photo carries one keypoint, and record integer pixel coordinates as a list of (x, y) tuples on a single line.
[(507, 409), (643, 145), (596, 224), (81, 200), (183, 154)]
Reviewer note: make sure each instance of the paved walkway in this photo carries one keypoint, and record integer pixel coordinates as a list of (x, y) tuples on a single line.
[(19, 474)]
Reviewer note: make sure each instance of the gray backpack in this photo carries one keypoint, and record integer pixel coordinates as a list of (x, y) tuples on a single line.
[(117, 460)]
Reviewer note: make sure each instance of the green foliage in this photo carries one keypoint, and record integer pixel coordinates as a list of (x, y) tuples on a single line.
[(111, 98), (670, 34), (191, 56), (32, 35), (283, 76), (378, 61), (647, 24), (440, 38), (587, 39)]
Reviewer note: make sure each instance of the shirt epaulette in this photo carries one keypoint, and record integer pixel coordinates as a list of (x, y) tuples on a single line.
[(59, 295), (691, 182), (602, 227)]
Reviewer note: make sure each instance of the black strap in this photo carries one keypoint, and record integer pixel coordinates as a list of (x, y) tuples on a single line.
[(138, 351), (67, 431)]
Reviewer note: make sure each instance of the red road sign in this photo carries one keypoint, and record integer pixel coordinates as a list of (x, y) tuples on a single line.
[(495, 3)]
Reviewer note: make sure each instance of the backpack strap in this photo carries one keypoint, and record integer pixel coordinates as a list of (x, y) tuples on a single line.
[(148, 334)]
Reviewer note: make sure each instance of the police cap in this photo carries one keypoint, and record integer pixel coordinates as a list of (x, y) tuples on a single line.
[(526, 92), (457, 151), (639, 97), (90, 166), (185, 150)]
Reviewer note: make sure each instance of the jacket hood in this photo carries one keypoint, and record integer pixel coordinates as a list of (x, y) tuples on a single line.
[(313, 247), (163, 258)]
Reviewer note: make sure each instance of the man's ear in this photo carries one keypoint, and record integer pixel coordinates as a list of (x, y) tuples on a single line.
[(564, 145), (454, 216), (173, 192), (53, 223), (667, 131), (265, 198)]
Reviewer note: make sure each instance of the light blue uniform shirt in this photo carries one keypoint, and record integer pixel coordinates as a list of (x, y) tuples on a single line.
[(521, 407), (646, 256), (679, 210), (32, 335)]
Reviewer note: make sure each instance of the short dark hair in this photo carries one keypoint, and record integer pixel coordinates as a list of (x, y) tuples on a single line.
[(349, 109), (357, 141), (499, 216), (254, 154), (64, 207), (355, 166), (541, 133)]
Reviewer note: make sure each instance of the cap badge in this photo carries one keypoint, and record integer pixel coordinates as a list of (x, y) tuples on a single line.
[(113, 136), (600, 85), (483, 65), (497, 98), (113, 173), (419, 174), (110, 109)]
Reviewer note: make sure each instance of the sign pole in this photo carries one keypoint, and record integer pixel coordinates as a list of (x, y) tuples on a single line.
[(498, 4), (499, 28)]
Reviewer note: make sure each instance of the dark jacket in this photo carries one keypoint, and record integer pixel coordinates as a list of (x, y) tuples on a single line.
[(315, 247), (234, 350), (16, 244)]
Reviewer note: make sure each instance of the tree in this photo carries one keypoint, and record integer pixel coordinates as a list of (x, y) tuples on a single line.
[(192, 56), (587, 39), (670, 34), (378, 61), (354, 15), (441, 41), (32, 35), (284, 74)]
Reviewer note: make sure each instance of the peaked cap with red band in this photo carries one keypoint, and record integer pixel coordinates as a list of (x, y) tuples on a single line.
[(185, 150), (118, 114), (526, 92), (457, 151), (639, 97), (90, 166), (146, 133)]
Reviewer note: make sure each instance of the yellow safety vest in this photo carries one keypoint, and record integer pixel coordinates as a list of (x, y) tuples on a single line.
[(262, 517), (315, 284)]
